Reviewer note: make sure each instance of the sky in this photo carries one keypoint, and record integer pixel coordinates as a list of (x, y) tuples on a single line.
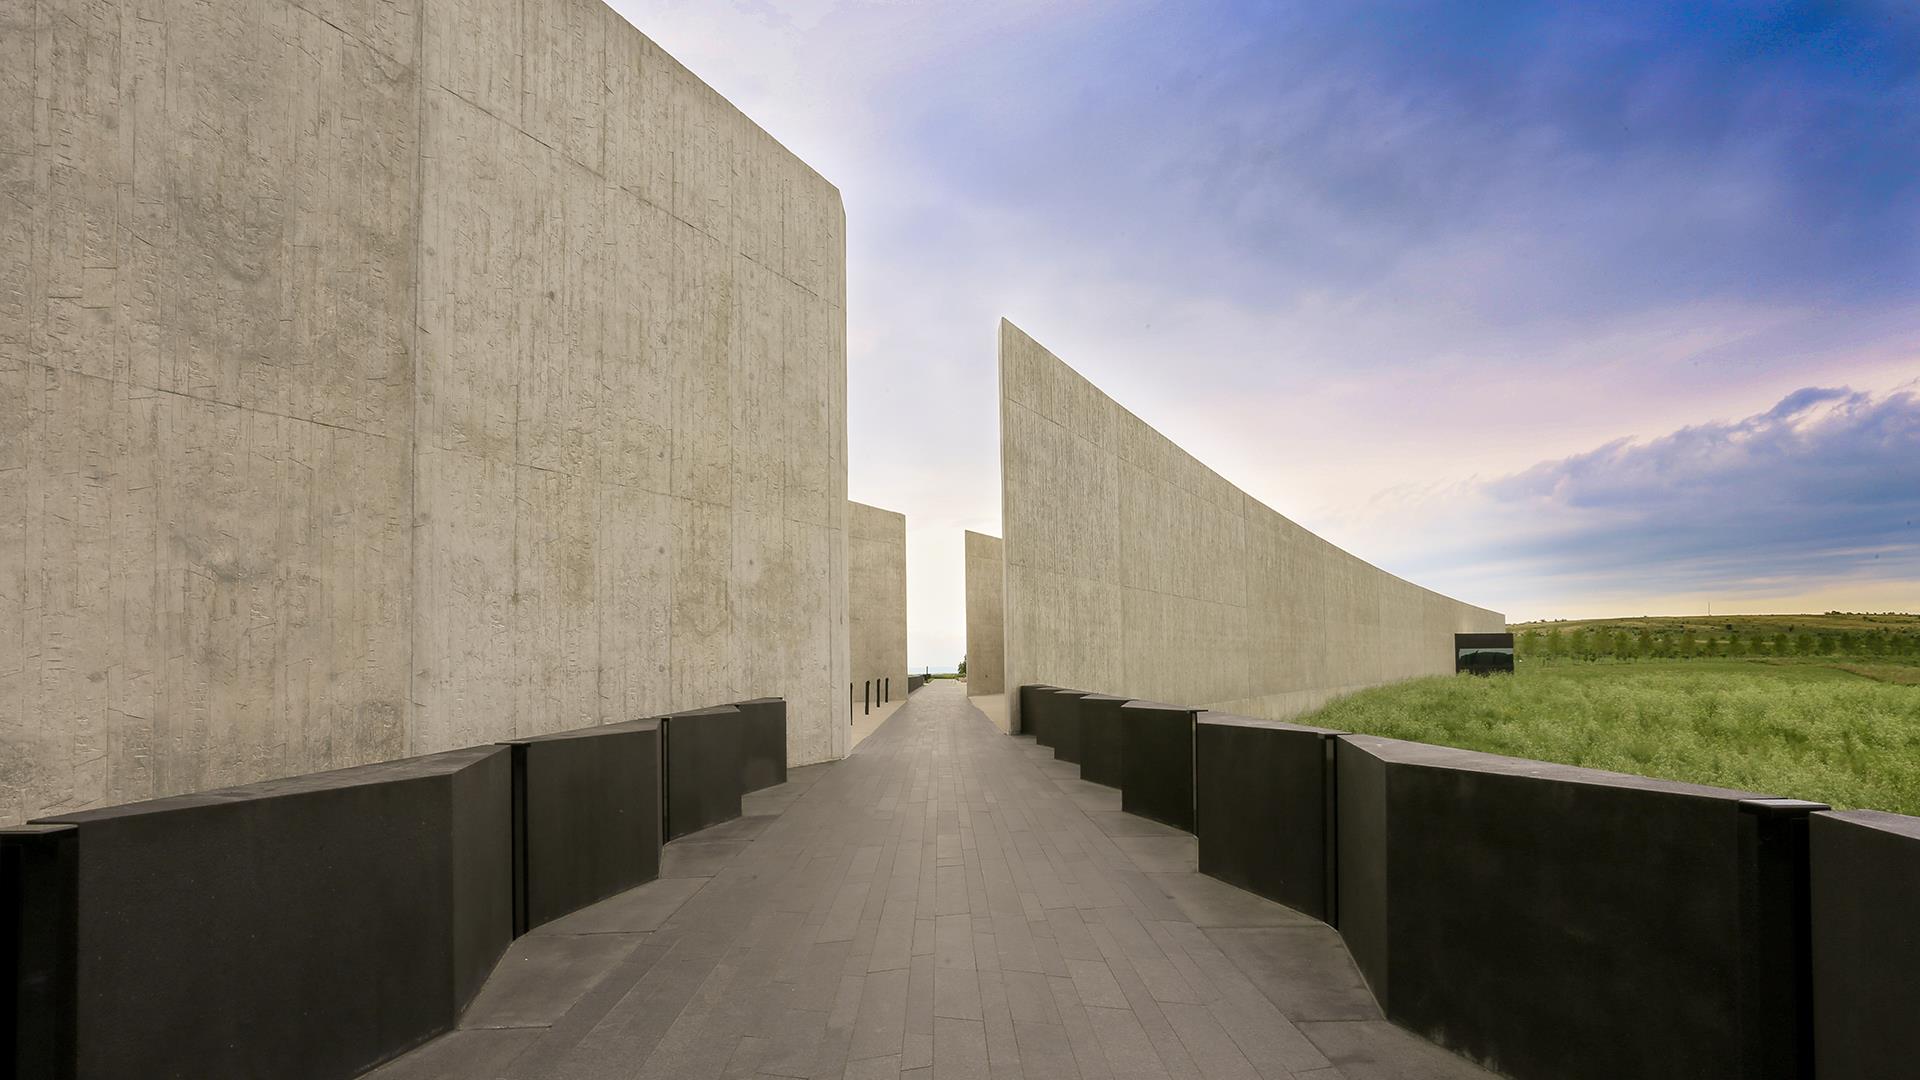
[(1567, 310)]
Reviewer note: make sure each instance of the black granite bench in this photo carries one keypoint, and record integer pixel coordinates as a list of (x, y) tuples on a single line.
[(1263, 809), (1560, 922), (303, 928), (587, 817), (1102, 739), (1157, 763), (763, 743), (702, 754), (1865, 944)]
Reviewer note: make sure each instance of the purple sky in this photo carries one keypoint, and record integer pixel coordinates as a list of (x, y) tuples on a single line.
[(1566, 310)]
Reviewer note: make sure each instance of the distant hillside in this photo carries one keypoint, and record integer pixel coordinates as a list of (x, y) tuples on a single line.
[(1834, 634), (1833, 622)]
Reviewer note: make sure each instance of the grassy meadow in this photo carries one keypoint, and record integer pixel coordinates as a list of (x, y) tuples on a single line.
[(1841, 727)]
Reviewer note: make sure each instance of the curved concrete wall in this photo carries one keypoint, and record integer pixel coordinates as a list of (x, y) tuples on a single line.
[(986, 628), (380, 379), (877, 601), (1133, 569)]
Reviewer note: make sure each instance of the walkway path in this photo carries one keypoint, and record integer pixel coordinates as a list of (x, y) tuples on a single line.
[(946, 902)]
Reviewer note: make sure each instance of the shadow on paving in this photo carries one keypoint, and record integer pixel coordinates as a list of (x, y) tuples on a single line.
[(946, 902)]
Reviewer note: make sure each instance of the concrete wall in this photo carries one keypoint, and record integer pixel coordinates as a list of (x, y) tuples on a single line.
[(378, 379), (1133, 569), (986, 632), (877, 600)]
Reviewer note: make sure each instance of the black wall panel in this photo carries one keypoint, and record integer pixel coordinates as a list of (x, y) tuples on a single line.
[(1157, 770), (1063, 722), (1263, 809), (38, 949), (703, 754), (1102, 739), (309, 927), (1866, 944), (1023, 723), (1555, 922), (763, 743), (587, 817)]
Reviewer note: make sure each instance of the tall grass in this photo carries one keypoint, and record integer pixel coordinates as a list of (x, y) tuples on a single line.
[(1847, 741)]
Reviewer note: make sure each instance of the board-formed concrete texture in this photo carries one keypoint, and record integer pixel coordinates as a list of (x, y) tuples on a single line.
[(1865, 943), (876, 605), (1556, 922), (379, 379), (1133, 569), (986, 574)]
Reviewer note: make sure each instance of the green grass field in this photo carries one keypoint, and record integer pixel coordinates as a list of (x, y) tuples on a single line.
[(1838, 731)]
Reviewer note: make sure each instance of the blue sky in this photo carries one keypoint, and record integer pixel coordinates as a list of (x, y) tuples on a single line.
[(1564, 309)]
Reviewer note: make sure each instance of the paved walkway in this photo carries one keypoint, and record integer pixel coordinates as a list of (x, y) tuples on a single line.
[(946, 902)]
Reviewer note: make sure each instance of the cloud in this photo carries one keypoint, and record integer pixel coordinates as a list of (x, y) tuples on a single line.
[(1823, 487)]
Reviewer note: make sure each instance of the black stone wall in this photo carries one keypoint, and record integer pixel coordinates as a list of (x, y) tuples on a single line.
[(1062, 710), (763, 743), (1263, 809), (1157, 766), (39, 931), (1865, 944), (1023, 723), (1102, 739), (703, 752), (587, 817), (1558, 922), (309, 927)]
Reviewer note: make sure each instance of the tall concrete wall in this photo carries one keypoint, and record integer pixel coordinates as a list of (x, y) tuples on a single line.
[(986, 632), (877, 600), (378, 379), (1133, 569)]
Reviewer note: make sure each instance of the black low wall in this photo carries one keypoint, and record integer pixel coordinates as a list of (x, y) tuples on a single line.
[(1866, 944), (587, 818), (915, 682), (1157, 766), (1554, 922), (1063, 723), (309, 927), (38, 934), (1046, 711), (1102, 739), (1263, 809), (763, 743), (1023, 723), (702, 752)]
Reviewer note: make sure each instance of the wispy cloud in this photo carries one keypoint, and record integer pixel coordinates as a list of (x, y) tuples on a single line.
[(1824, 487)]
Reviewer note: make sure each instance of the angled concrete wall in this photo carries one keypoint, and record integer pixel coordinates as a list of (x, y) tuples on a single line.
[(877, 602), (1133, 569), (382, 379), (986, 632)]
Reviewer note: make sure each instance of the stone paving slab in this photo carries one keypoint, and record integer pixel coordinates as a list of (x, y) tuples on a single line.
[(946, 902)]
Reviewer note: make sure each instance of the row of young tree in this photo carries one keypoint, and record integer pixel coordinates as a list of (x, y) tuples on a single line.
[(1593, 643)]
